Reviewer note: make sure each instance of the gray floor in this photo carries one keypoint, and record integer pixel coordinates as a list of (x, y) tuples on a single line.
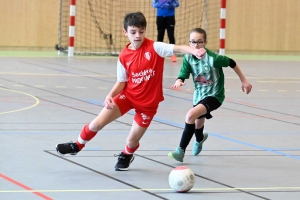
[(252, 151)]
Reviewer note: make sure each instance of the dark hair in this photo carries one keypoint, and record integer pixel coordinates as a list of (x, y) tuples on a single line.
[(136, 19), (199, 30)]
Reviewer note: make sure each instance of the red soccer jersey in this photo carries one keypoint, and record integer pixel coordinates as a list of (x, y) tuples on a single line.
[(144, 72)]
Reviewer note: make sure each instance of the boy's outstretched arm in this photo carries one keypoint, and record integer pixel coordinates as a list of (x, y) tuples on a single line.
[(199, 53), (246, 86)]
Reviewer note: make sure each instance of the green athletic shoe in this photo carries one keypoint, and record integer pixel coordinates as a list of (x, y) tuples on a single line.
[(197, 147), (178, 154)]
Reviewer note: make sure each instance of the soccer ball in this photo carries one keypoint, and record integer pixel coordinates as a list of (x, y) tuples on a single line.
[(182, 179)]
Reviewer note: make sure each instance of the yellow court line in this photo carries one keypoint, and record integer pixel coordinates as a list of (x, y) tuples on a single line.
[(151, 189), (36, 103)]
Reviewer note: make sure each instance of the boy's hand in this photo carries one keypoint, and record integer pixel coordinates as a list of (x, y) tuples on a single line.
[(199, 53), (109, 102), (177, 84), (246, 86)]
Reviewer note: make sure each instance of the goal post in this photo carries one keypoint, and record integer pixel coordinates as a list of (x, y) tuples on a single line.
[(96, 26)]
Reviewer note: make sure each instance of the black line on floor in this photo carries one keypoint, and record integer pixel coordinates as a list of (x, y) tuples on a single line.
[(153, 155), (78, 69), (77, 100), (191, 156), (68, 72), (110, 177), (262, 116), (248, 113), (237, 103), (128, 113), (100, 79), (237, 192), (181, 91), (263, 109), (189, 150), (208, 179)]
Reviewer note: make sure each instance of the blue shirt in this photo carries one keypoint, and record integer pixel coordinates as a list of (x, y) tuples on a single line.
[(165, 7)]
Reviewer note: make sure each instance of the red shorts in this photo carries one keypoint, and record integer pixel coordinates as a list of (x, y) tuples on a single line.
[(143, 115)]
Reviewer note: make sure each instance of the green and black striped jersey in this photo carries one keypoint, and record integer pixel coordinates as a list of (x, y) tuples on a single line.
[(207, 75)]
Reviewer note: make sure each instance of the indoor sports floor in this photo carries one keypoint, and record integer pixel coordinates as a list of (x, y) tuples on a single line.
[(252, 151)]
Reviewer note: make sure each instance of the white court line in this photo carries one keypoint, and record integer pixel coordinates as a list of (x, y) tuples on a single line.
[(34, 74), (278, 81), (263, 78), (227, 77), (153, 189)]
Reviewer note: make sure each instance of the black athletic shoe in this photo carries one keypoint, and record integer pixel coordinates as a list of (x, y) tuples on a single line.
[(67, 148), (123, 162)]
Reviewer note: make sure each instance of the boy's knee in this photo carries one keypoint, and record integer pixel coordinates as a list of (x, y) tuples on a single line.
[(95, 126), (190, 117), (193, 114)]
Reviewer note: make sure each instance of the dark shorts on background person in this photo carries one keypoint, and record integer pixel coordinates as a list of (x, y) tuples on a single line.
[(163, 23), (210, 103)]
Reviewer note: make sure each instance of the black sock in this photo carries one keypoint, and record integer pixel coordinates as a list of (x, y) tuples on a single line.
[(199, 134), (187, 135)]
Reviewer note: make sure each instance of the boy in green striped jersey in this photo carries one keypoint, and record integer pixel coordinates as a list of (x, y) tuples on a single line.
[(209, 91)]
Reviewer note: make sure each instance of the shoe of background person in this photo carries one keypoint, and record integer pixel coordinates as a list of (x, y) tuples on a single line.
[(67, 148), (123, 161), (197, 147), (173, 58), (178, 154)]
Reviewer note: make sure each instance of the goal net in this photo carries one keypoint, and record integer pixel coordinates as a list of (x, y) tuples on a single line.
[(99, 24)]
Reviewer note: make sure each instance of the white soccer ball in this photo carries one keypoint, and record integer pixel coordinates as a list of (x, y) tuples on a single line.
[(182, 179)]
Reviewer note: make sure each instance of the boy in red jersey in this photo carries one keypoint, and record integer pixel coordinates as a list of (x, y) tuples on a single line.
[(139, 86)]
